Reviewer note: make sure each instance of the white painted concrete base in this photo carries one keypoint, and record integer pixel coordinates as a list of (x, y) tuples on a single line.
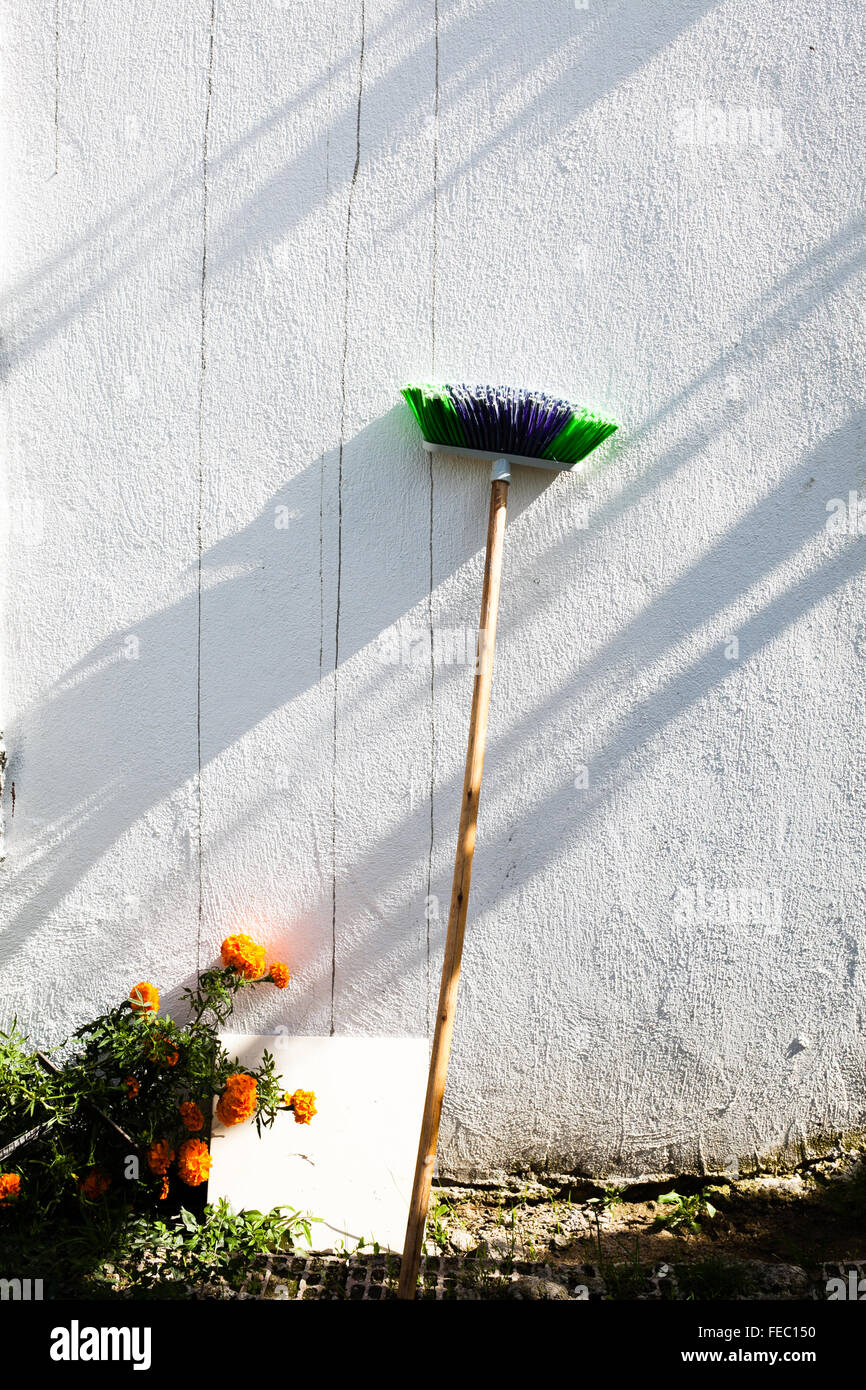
[(352, 1166)]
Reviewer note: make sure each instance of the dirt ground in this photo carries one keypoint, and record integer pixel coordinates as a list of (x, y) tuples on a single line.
[(788, 1228), (779, 1237)]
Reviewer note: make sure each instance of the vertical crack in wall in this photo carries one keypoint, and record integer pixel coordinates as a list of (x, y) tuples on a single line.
[(200, 498), (3, 762), (328, 118), (56, 86), (346, 279), (435, 249), (433, 270)]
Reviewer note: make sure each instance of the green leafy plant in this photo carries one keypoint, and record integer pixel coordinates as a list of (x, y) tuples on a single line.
[(685, 1212), (116, 1254), (194, 1248), (609, 1199), (436, 1231)]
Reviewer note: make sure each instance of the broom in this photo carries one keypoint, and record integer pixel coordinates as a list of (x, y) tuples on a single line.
[(506, 426)]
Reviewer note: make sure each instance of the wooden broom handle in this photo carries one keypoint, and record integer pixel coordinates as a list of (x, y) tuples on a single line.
[(459, 895)]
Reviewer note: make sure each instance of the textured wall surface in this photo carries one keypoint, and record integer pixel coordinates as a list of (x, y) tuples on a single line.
[(238, 598)]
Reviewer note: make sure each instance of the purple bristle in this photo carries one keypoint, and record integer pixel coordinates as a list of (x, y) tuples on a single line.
[(509, 419)]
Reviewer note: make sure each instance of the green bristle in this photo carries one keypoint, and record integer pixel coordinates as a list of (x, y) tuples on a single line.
[(578, 437), (435, 413)]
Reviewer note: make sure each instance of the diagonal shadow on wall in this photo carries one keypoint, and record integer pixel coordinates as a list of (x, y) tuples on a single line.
[(107, 731), (503, 51)]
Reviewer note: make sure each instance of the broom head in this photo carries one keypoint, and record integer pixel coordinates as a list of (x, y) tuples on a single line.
[(502, 422)]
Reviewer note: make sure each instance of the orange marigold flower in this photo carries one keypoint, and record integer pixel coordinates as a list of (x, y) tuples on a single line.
[(145, 998), (10, 1187), (191, 1115), (303, 1103), (132, 1087), (194, 1162), (279, 974), (243, 955), (96, 1184), (159, 1156), (163, 1191), (238, 1101)]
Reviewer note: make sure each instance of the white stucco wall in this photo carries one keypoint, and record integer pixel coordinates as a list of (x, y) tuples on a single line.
[(228, 239)]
